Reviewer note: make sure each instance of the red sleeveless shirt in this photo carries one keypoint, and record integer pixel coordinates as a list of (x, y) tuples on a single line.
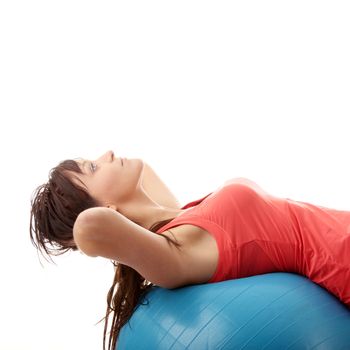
[(258, 233)]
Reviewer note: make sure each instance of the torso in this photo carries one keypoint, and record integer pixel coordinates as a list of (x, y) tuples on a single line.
[(199, 252)]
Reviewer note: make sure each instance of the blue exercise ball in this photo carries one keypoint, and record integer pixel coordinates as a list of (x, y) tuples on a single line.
[(270, 311)]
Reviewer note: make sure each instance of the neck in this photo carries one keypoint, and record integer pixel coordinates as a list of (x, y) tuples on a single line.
[(144, 211)]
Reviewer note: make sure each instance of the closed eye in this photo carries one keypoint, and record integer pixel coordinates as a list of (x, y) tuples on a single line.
[(93, 167)]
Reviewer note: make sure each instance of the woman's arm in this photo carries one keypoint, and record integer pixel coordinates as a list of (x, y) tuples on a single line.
[(107, 233)]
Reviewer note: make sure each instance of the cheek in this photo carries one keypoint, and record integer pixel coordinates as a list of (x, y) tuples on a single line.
[(101, 186), (113, 185)]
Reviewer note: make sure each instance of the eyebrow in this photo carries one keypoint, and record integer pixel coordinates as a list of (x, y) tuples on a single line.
[(82, 165)]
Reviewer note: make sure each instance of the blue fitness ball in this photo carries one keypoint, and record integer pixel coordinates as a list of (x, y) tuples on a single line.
[(270, 311)]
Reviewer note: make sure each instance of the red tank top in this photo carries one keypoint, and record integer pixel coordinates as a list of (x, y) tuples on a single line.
[(258, 233)]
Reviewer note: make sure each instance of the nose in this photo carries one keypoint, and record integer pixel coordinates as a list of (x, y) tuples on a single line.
[(108, 156)]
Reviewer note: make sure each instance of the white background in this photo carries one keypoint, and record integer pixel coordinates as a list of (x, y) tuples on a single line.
[(203, 91)]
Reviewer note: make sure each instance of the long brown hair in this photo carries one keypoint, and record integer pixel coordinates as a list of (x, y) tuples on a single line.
[(55, 206)]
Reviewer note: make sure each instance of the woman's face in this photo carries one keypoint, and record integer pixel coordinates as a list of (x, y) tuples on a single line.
[(108, 180)]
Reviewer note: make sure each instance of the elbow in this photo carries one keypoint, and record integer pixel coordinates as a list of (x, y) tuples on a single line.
[(85, 231)]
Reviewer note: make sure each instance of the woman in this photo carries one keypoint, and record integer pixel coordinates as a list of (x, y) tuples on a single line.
[(121, 210)]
